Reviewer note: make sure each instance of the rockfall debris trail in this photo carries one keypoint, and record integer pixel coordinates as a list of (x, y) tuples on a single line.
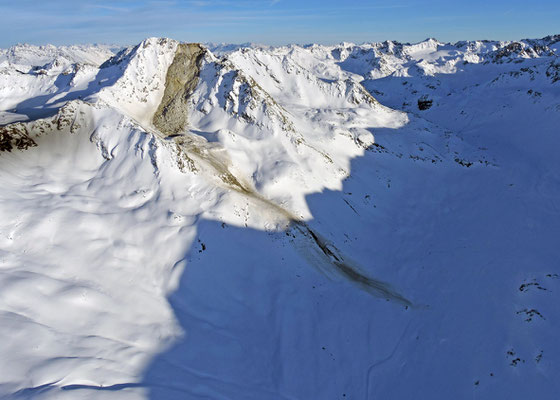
[(171, 119)]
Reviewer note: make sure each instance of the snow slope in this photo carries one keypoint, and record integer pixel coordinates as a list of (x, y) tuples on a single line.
[(350, 221)]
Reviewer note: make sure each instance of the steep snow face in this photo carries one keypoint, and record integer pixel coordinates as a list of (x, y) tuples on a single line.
[(276, 141), (140, 79), (179, 223), (133, 81)]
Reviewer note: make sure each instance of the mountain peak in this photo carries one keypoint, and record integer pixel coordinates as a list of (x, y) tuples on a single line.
[(293, 209)]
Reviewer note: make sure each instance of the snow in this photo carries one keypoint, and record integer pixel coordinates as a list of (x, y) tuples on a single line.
[(132, 266)]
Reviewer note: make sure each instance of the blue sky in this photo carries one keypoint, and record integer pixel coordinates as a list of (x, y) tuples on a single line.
[(273, 21)]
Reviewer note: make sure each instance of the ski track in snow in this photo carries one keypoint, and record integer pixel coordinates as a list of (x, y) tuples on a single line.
[(300, 239)]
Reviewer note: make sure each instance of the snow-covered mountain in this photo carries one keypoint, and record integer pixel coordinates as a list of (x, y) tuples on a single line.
[(181, 221)]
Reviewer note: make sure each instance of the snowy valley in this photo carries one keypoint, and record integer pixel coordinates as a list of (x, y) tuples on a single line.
[(187, 221)]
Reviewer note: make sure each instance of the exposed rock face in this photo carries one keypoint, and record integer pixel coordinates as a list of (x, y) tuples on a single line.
[(15, 135), (22, 135), (171, 117), (553, 72), (424, 103)]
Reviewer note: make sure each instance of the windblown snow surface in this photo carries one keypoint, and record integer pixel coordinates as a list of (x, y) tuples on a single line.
[(376, 221)]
